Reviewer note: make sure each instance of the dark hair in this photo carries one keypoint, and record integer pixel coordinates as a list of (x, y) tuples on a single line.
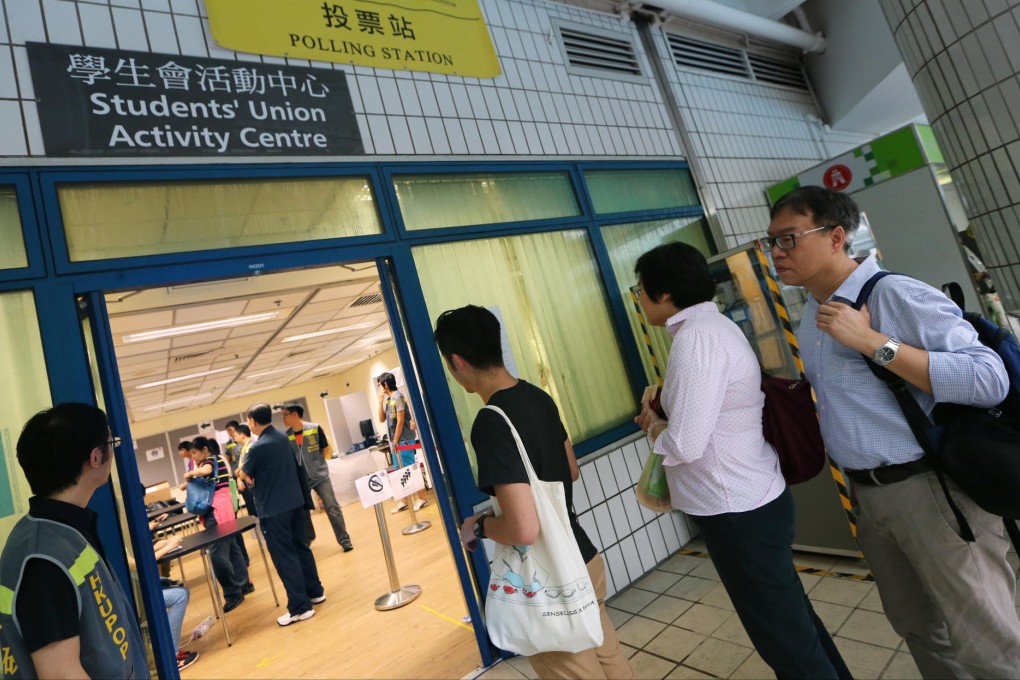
[(199, 443), (387, 379), (824, 206), (261, 413), (471, 332), (57, 442), (678, 269), (184, 446), (231, 424), (295, 408), (243, 429)]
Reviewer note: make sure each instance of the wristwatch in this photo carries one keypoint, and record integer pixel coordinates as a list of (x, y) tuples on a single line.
[(887, 352), (479, 527)]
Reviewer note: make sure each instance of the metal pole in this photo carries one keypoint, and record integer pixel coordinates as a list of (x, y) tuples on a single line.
[(415, 526), (397, 597)]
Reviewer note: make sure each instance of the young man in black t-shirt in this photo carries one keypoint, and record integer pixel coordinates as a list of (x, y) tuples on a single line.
[(469, 340)]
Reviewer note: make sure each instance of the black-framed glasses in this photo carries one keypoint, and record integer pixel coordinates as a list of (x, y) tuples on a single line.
[(115, 442), (788, 241), (636, 289)]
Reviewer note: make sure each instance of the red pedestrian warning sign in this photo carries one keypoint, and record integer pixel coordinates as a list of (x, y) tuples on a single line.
[(837, 177)]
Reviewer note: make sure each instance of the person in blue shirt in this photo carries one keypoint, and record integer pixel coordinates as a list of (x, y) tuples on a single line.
[(951, 600)]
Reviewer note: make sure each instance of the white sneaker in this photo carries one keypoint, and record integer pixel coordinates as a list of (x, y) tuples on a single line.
[(320, 599), (288, 618), (420, 503), (402, 506)]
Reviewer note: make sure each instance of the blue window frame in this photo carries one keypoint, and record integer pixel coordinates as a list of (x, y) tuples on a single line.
[(25, 200)]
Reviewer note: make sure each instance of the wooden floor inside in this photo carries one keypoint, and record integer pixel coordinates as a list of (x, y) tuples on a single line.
[(347, 637)]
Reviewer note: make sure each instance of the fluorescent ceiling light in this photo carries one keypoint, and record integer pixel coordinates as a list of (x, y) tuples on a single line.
[(275, 370), (261, 389), (316, 334), (175, 402), (230, 322), (185, 377), (340, 365)]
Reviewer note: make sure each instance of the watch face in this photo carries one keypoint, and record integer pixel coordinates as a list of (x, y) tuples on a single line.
[(884, 355)]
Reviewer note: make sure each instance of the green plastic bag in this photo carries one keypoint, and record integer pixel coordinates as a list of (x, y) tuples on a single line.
[(652, 490)]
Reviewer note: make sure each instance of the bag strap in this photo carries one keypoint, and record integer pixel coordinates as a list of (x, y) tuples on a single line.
[(920, 424), (955, 293), (520, 445)]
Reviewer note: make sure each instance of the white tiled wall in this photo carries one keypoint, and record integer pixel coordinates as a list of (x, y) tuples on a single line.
[(964, 61), (746, 136), (631, 538)]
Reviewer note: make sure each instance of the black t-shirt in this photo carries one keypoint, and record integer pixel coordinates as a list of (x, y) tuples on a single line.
[(47, 605), (537, 420)]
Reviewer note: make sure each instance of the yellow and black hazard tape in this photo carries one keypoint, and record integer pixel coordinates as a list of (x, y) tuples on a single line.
[(644, 333), (803, 570), (791, 338)]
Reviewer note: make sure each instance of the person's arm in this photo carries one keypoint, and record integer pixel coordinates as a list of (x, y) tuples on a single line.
[(60, 660), (518, 525), (382, 404), (399, 429), (324, 447), (575, 471), (163, 547), (202, 470)]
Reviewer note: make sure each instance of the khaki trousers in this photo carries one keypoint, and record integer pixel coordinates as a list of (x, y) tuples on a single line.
[(952, 601), (608, 661)]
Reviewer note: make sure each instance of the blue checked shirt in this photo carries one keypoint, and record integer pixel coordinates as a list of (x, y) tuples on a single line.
[(862, 425)]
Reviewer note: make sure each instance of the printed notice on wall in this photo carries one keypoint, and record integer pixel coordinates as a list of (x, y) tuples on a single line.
[(100, 102)]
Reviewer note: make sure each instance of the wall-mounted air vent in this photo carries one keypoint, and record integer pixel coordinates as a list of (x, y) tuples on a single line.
[(372, 299), (590, 51), (732, 61), (768, 70), (703, 55)]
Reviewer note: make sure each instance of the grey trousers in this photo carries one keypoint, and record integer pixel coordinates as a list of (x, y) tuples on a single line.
[(952, 601), (336, 516)]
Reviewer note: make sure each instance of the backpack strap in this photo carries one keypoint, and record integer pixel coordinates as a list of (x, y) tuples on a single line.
[(955, 293), (920, 424)]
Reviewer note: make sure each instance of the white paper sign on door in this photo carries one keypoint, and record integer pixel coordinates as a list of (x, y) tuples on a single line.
[(373, 488)]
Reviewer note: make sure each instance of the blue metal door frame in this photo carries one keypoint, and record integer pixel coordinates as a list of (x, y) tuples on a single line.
[(56, 280)]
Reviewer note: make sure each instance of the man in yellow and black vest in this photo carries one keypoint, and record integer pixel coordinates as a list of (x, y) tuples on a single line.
[(62, 611), (313, 447)]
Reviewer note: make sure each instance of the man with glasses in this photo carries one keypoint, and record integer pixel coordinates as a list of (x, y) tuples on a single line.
[(62, 611), (952, 601)]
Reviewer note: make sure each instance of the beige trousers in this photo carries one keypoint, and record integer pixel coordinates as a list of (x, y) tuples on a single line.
[(607, 661), (952, 601)]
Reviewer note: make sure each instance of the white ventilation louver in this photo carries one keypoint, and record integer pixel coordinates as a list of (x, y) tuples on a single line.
[(599, 52), (691, 53)]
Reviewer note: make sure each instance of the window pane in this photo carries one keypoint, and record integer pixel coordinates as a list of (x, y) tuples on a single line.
[(624, 190), (105, 221), (626, 243), (546, 290), (24, 371), (12, 254), (434, 201)]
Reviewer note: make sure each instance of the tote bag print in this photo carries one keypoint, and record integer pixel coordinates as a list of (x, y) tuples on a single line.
[(518, 577)]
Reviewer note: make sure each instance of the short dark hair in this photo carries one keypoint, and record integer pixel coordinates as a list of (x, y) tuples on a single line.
[(199, 443), (387, 379), (261, 413), (231, 424), (678, 269), (825, 207), (471, 332), (184, 446), (56, 443), (295, 408), (243, 429)]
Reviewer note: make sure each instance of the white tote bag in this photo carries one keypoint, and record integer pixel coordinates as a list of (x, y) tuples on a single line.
[(540, 598)]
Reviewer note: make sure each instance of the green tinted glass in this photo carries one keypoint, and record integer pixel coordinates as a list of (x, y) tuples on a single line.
[(12, 254), (436, 201), (626, 190), (105, 221)]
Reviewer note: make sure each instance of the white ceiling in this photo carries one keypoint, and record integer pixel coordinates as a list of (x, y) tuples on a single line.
[(218, 363)]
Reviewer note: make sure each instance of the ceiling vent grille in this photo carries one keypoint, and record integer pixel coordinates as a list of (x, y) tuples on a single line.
[(777, 72), (181, 358), (690, 53), (373, 299), (300, 351), (604, 53), (709, 57)]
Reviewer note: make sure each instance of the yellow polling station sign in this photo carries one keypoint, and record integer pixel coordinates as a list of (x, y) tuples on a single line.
[(441, 36)]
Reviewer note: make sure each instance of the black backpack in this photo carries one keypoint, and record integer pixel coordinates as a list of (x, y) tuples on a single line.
[(978, 448)]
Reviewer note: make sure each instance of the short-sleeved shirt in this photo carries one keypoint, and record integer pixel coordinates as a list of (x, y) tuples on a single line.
[(537, 421), (47, 603), (270, 463), (395, 403)]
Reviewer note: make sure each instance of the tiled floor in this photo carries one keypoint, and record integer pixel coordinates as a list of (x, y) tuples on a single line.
[(678, 622)]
